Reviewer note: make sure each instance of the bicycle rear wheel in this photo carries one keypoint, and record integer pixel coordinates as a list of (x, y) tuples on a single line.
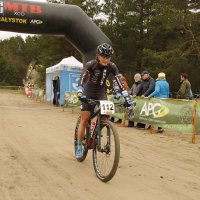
[(85, 148), (106, 156)]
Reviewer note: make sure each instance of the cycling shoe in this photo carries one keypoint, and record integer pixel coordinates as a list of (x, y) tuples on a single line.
[(79, 151)]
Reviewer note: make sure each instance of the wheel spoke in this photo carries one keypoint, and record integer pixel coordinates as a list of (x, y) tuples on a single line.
[(106, 161)]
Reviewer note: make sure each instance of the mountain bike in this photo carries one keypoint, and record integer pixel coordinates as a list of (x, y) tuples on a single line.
[(103, 140)]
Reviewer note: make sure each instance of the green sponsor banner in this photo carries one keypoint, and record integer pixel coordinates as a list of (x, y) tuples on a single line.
[(167, 113), (198, 117), (71, 100)]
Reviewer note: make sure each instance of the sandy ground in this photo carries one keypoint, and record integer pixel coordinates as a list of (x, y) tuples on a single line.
[(37, 159)]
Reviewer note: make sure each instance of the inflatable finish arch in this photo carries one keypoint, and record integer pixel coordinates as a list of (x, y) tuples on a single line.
[(53, 19)]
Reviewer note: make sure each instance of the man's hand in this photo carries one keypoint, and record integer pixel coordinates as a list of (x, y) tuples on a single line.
[(130, 104), (80, 91), (80, 94)]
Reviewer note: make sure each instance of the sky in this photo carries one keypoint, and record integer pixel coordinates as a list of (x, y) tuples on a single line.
[(5, 34)]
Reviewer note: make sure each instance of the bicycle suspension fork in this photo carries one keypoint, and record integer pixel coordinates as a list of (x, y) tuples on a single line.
[(98, 128)]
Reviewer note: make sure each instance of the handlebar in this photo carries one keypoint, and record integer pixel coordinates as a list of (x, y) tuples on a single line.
[(97, 102), (90, 101)]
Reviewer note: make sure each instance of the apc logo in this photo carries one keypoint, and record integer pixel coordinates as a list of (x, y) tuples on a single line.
[(154, 109), (36, 21), (1, 7), (22, 8)]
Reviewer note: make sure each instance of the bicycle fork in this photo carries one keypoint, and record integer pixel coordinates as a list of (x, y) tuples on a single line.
[(99, 135)]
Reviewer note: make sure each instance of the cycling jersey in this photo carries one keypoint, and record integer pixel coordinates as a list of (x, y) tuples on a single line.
[(93, 78)]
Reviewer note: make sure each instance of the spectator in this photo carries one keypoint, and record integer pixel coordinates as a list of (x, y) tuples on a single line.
[(28, 90), (56, 91), (145, 89), (133, 91), (185, 87), (161, 87), (161, 91), (136, 84)]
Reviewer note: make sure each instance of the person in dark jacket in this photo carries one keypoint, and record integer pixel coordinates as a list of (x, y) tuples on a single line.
[(133, 90), (56, 91), (145, 89), (185, 87), (147, 85)]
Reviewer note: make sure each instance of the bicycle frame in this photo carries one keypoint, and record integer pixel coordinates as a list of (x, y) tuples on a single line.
[(97, 127)]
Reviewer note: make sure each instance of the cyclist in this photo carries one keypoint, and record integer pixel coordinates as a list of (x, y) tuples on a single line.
[(92, 85)]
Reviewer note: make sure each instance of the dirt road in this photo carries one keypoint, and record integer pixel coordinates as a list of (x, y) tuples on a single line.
[(37, 159)]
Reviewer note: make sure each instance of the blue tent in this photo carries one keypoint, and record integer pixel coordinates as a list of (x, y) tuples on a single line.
[(69, 71)]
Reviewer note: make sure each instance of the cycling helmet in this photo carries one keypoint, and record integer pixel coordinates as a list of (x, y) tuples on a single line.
[(105, 49)]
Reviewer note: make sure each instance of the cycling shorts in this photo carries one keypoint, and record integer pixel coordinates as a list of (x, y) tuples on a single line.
[(88, 107)]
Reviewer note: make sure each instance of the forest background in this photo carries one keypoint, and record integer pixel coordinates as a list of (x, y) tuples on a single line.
[(154, 35)]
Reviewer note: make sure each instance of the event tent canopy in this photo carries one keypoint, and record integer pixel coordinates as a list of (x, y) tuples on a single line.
[(69, 71), (69, 64)]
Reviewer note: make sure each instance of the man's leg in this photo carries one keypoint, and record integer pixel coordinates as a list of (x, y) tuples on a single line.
[(85, 116)]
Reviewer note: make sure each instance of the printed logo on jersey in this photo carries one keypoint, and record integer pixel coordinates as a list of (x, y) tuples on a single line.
[(104, 76), (95, 76)]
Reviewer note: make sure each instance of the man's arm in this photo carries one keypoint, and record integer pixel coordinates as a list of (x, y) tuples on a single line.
[(124, 92), (139, 89), (122, 88), (84, 76), (85, 73)]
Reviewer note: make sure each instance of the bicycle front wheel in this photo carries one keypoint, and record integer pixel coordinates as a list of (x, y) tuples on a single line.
[(106, 155)]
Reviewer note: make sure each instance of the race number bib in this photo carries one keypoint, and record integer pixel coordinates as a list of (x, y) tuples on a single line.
[(107, 107)]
